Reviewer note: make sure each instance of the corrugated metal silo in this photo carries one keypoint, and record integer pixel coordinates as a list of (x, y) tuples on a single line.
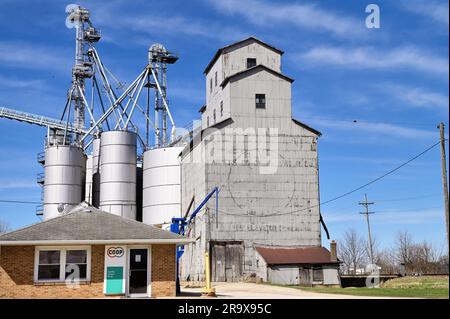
[(93, 175), (118, 173), (63, 184), (161, 185)]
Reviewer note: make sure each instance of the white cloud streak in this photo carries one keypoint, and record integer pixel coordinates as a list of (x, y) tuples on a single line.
[(376, 128), (393, 216), (17, 83), (156, 24), (406, 57), (17, 184), (437, 11), (298, 15), (416, 96), (26, 56)]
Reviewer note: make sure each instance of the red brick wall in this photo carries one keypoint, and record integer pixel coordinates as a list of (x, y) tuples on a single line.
[(17, 280), (17, 270), (163, 271)]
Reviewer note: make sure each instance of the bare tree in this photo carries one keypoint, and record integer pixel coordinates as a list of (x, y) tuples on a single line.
[(386, 260), (425, 258), (3, 227), (403, 250), (352, 251)]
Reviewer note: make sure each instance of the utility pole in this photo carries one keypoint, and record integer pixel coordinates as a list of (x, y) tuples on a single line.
[(444, 175), (366, 204)]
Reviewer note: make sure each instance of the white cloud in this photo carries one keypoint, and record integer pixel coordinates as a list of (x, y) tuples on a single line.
[(17, 83), (393, 216), (438, 11), (309, 16), (376, 128), (416, 96), (407, 57), (27, 56), (17, 184), (157, 24)]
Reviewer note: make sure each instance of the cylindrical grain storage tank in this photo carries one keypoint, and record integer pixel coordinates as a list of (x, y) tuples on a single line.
[(161, 186), (63, 183), (92, 194), (88, 188), (118, 173), (139, 192)]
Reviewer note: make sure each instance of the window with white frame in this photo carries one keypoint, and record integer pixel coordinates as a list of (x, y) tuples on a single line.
[(77, 258), (59, 264), (49, 265)]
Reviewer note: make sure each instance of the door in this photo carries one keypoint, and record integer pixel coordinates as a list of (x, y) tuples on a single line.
[(304, 276), (138, 271), (227, 261), (233, 261), (218, 262)]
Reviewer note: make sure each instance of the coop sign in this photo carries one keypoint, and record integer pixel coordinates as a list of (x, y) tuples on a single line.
[(115, 270), (113, 252)]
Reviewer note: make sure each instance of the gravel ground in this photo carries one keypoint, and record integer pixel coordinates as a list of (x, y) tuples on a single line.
[(261, 291)]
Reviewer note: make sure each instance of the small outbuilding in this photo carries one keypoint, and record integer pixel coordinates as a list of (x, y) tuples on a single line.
[(88, 253), (304, 266)]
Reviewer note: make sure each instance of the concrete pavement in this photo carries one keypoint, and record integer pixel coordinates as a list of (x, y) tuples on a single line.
[(262, 291)]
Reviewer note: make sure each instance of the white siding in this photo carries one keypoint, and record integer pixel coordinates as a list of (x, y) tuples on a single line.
[(330, 275), (283, 275)]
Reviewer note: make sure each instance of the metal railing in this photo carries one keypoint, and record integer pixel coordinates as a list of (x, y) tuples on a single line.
[(41, 157), (40, 178), (38, 120), (39, 210)]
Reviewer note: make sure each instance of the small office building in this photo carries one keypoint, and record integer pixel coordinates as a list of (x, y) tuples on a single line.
[(88, 253)]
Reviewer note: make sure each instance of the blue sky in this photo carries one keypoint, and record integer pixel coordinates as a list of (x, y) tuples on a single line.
[(393, 80)]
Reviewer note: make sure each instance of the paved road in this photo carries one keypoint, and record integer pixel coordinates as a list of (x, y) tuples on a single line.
[(261, 291)]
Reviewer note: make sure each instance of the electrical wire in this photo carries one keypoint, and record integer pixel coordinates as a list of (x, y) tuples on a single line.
[(18, 202), (405, 210), (353, 121), (344, 194), (407, 198), (307, 208)]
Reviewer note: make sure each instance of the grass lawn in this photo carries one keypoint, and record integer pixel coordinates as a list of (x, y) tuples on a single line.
[(419, 287)]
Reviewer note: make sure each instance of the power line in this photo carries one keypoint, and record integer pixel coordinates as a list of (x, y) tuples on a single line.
[(346, 193), (407, 198), (406, 210), (18, 202)]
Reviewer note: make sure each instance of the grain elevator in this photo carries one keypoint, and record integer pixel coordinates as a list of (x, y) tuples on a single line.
[(116, 147)]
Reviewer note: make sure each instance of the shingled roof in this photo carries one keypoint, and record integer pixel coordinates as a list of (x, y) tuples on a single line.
[(86, 224), (295, 255)]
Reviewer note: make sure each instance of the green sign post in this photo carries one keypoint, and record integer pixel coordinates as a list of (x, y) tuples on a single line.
[(114, 280)]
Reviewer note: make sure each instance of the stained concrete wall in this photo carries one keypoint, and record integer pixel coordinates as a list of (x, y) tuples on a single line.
[(259, 209), (235, 59), (255, 208), (232, 61)]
